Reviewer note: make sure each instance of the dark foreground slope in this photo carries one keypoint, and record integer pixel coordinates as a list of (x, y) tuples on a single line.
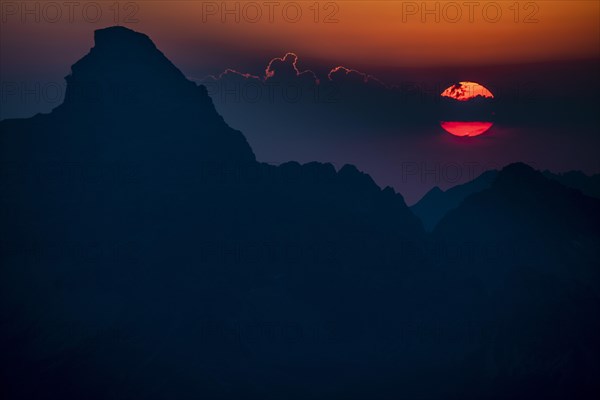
[(533, 244), (146, 254)]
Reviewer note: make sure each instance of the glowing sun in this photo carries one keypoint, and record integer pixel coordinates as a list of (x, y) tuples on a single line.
[(466, 100)]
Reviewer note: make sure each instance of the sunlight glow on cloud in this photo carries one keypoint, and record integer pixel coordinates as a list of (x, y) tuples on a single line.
[(365, 77), (289, 64)]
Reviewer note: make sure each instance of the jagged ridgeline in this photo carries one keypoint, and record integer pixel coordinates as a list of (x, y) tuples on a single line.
[(147, 254)]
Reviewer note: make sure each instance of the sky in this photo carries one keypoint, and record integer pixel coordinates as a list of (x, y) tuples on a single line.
[(539, 59), (360, 33)]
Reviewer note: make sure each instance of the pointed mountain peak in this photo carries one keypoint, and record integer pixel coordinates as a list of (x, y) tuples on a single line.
[(519, 175), (125, 68), (126, 88), (119, 38), (518, 168), (352, 175), (434, 191)]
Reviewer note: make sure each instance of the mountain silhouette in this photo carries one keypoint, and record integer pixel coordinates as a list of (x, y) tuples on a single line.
[(125, 87), (589, 185), (146, 253), (128, 111), (436, 203), (156, 238), (532, 244), (521, 202)]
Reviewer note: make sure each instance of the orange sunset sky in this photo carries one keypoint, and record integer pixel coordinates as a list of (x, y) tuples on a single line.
[(356, 33)]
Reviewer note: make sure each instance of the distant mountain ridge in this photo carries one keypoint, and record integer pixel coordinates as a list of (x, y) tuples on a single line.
[(436, 203), (521, 196), (589, 185)]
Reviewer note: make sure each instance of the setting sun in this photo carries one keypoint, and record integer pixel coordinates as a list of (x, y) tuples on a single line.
[(467, 90)]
